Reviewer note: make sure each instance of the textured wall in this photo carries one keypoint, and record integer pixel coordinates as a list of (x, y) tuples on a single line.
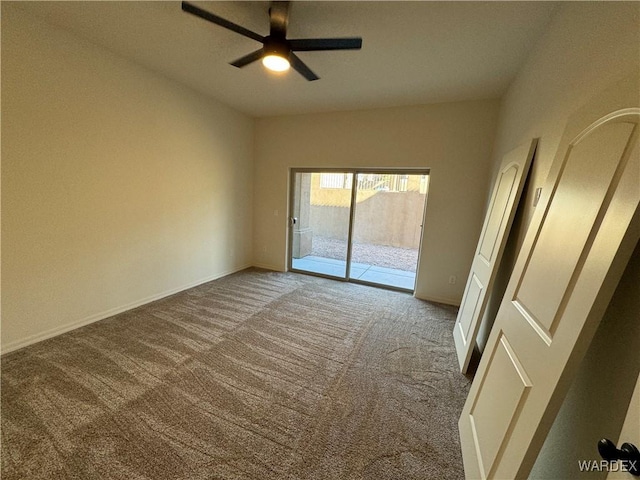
[(453, 140), (118, 186)]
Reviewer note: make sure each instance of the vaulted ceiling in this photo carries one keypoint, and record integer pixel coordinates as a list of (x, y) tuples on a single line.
[(413, 52)]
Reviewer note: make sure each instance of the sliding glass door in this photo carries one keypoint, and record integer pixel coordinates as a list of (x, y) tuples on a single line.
[(358, 225), (320, 222), (387, 228)]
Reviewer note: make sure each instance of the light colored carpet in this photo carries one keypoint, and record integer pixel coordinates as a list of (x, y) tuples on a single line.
[(259, 375)]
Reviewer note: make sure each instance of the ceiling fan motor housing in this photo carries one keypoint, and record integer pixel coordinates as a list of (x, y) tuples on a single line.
[(276, 46)]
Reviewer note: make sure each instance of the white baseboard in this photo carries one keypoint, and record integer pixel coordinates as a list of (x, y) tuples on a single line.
[(12, 346), (268, 267), (18, 344), (446, 301)]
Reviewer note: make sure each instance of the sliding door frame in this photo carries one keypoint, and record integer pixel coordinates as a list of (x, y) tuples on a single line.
[(352, 214)]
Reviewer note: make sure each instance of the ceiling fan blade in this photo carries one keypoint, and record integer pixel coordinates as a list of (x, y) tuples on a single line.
[(279, 18), (300, 67), (310, 44), (247, 59), (189, 8)]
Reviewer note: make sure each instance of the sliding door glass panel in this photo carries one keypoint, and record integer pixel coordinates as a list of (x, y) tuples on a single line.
[(387, 228), (320, 230)]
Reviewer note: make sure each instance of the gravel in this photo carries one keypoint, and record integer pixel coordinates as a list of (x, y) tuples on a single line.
[(379, 255)]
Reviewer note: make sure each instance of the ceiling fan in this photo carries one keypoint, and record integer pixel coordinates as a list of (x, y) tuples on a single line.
[(277, 51)]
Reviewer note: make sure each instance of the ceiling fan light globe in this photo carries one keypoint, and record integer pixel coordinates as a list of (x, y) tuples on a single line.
[(276, 63)]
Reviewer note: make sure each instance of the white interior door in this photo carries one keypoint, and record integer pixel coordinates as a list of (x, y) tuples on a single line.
[(577, 245), (630, 434), (505, 196)]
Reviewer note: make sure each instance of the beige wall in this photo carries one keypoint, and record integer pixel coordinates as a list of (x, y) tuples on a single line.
[(453, 140), (589, 47), (118, 186)]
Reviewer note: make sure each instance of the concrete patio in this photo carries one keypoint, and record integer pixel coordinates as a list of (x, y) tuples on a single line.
[(359, 271)]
